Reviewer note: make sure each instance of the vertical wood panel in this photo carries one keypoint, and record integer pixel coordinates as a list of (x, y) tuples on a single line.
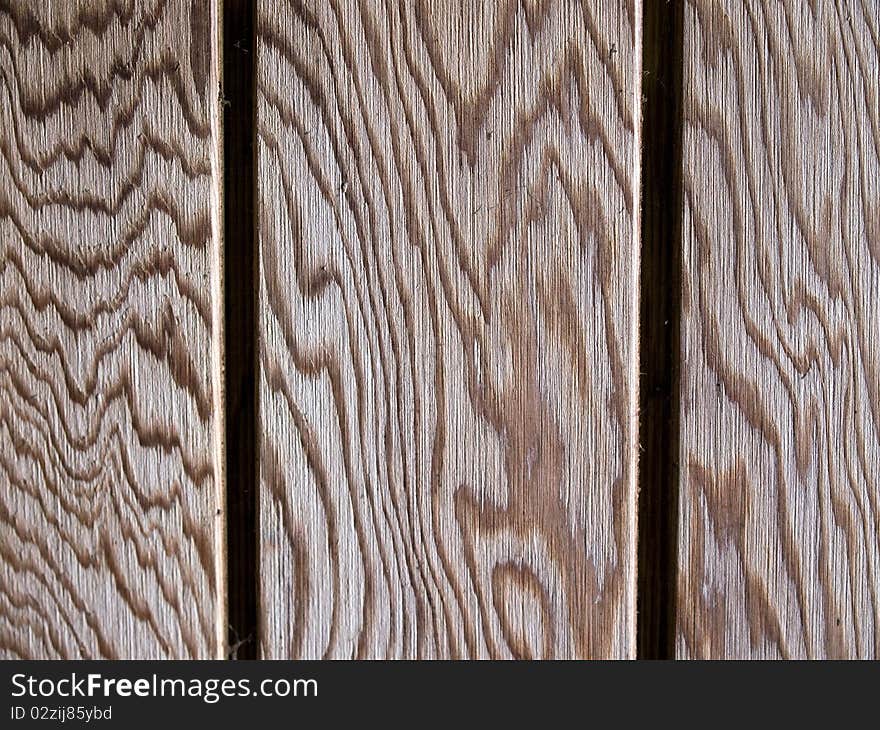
[(780, 450), (447, 218), (110, 477)]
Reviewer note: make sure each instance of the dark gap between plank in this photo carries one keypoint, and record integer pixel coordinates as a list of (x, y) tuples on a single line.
[(659, 324), (239, 103)]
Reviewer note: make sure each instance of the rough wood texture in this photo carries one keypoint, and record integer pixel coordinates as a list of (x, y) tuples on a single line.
[(447, 198), (110, 486), (780, 452)]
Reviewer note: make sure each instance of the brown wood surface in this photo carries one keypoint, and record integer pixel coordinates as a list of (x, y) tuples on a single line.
[(780, 394), (110, 444), (448, 251)]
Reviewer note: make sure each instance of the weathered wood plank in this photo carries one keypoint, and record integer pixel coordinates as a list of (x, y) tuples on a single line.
[(780, 398), (447, 201), (110, 458)]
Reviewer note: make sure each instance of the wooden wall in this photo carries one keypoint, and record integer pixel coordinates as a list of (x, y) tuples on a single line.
[(476, 273)]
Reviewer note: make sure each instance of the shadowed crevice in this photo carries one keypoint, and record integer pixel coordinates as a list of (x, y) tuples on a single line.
[(239, 103), (659, 318)]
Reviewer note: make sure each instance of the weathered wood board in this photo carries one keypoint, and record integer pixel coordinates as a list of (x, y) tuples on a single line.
[(447, 199), (780, 390), (111, 486)]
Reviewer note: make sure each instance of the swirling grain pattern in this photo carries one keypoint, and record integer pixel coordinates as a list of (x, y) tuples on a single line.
[(780, 451), (448, 242), (109, 332)]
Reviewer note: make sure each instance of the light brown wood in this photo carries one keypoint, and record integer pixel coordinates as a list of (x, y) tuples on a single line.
[(448, 242), (780, 398), (111, 485)]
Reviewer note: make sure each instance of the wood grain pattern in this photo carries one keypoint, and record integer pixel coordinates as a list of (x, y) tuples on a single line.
[(110, 470), (780, 452), (447, 201)]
